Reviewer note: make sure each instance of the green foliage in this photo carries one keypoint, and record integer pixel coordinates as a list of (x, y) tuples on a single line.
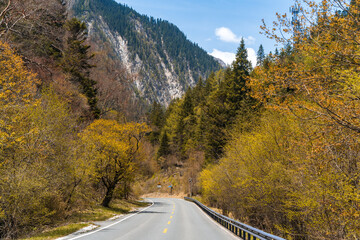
[(156, 118), (229, 100), (76, 59), (164, 148), (206, 115), (260, 55)]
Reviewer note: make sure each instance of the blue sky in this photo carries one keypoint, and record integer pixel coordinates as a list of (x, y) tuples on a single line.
[(217, 25)]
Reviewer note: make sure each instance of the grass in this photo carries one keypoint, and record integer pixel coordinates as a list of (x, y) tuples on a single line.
[(84, 218), (59, 231)]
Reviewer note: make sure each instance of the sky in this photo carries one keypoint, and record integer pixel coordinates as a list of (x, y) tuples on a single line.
[(217, 26)]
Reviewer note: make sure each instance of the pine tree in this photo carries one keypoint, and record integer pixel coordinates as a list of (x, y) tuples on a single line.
[(260, 55), (164, 148), (156, 115), (226, 103), (76, 59), (187, 106), (234, 86)]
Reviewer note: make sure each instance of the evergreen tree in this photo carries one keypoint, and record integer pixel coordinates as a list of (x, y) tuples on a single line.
[(260, 55), (187, 106), (76, 59), (198, 92), (234, 87), (156, 117), (229, 100), (164, 148)]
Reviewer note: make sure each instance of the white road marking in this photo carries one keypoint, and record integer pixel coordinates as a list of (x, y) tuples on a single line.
[(152, 203)]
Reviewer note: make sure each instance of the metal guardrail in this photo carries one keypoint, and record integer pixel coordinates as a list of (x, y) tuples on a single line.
[(241, 230)]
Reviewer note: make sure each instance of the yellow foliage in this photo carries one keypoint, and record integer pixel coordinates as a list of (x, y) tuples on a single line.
[(111, 151), (17, 85)]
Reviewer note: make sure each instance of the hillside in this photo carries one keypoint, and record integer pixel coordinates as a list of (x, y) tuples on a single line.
[(164, 62)]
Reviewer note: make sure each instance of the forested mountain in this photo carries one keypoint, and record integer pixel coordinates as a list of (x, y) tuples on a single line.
[(162, 60)]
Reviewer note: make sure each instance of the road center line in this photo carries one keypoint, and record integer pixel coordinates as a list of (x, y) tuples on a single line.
[(169, 222), (165, 230), (171, 217)]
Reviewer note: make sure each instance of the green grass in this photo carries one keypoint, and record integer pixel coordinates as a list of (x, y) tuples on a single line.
[(59, 231), (84, 218)]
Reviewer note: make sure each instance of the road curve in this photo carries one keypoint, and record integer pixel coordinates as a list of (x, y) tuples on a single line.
[(174, 219)]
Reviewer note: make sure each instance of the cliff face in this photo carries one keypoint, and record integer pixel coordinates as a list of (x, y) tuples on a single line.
[(156, 52)]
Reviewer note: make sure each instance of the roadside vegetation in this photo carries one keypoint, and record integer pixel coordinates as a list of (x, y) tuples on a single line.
[(275, 146), (86, 218)]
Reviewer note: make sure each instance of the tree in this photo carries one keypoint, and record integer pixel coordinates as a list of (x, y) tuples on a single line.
[(260, 55), (114, 147), (316, 79), (39, 172), (164, 148), (76, 59), (156, 117), (230, 99)]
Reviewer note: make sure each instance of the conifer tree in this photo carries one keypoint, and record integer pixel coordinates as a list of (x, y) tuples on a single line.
[(156, 115), (164, 148), (187, 106), (226, 103), (260, 55), (234, 86), (76, 59), (156, 118)]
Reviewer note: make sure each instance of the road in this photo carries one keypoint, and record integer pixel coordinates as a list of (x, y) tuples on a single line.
[(166, 219)]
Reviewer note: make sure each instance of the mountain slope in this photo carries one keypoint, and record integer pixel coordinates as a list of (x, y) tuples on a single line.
[(154, 50)]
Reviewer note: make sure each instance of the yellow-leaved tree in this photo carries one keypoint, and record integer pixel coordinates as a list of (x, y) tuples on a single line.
[(111, 150), (316, 79), (39, 168)]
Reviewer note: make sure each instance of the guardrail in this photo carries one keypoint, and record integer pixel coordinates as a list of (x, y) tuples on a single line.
[(241, 230)]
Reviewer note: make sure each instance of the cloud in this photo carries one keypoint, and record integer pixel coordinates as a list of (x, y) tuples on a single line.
[(252, 56), (226, 35), (226, 57), (229, 57), (250, 40)]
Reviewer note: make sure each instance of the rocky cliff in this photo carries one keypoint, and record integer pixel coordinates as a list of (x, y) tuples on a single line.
[(164, 62)]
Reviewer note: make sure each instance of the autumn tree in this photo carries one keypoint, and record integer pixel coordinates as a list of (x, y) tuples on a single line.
[(113, 147), (37, 151), (315, 78)]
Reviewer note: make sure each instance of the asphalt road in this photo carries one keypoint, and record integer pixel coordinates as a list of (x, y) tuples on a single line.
[(166, 219)]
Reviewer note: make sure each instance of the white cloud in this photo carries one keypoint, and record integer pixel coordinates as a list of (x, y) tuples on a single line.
[(226, 57), (229, 57), (252, 56), (250, 40), (226, 35)]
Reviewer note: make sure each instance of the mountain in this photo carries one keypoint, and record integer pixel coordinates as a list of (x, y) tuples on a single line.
[(164, 62)]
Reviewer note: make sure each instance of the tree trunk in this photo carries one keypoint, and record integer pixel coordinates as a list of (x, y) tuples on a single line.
[(109, 195)]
